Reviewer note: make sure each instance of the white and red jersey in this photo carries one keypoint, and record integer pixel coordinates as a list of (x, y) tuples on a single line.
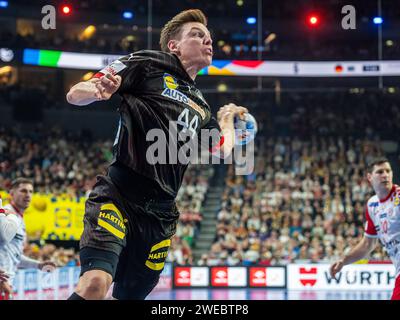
[(11, 252), (383, 222)]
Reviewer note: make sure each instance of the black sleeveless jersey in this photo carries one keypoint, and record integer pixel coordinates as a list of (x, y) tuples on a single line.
[(157, 95)]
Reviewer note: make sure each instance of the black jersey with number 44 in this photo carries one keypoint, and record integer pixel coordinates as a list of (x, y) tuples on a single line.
[(156, 90)]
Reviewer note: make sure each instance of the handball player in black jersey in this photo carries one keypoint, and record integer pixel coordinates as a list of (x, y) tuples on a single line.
[(130, 215)]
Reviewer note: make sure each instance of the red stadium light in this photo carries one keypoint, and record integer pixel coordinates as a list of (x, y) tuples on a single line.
[(66, 9), (338, 68), (313, 20)]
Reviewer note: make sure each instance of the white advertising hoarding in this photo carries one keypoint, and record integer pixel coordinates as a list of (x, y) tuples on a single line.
[(191, 277), (352, 277), (267, 277)]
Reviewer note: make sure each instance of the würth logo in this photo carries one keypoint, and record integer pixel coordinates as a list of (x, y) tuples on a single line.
[(308, 276)]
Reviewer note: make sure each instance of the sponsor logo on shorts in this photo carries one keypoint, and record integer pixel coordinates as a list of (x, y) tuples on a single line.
[(158, 254), (110, 218)]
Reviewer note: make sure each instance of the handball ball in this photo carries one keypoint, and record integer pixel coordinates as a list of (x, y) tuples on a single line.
[(245, 130), (39, 204)]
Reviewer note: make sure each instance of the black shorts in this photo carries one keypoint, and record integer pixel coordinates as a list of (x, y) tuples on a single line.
[(132, 238)]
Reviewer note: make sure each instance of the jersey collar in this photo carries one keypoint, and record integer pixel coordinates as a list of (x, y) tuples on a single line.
[(19, 212), (389, 195), (183, 71)]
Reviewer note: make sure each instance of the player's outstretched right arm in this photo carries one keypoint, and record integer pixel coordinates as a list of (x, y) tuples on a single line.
[(360, 251), (3, 276), (96, 89)]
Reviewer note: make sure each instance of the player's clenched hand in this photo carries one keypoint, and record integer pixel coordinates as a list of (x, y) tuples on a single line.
[(335, 268), (228, 112), (3, 276), (47, 266), (5, 288), (106, 86)]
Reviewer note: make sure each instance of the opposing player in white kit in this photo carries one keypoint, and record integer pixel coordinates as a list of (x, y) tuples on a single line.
[(13, 236), (382, 221)]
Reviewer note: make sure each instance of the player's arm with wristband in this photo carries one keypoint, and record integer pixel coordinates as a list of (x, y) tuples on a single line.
[(95, 89), (225, 116), (3, 276)]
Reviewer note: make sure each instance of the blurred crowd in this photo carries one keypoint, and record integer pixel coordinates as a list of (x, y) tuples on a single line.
[(62, 163), (57, 161), (59, 255), (229, 43), (306, 199), (304, 202), (190, 201)]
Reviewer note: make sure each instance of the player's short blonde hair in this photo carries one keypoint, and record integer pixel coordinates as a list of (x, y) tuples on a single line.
[(172, 29)]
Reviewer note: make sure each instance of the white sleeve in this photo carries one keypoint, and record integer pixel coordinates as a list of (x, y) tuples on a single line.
[(28, 263), (8, 227)]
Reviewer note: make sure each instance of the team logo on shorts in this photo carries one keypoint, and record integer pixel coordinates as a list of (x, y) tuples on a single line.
[(110, 218), (158, 254)]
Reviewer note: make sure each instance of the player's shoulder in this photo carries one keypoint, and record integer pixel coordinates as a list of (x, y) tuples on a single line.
[(154, 55), (396, 197), (9, 207), (372, 203), (159, 60)]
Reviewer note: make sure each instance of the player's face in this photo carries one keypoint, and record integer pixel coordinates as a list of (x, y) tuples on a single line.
[(381, 177), (195, 45), (22, 195)]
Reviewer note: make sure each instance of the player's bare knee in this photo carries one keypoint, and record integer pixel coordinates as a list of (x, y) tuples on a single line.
[(94, 286)]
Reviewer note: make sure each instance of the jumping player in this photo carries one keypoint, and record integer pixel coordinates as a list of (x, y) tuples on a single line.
[(382, 221), (131, 215)]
